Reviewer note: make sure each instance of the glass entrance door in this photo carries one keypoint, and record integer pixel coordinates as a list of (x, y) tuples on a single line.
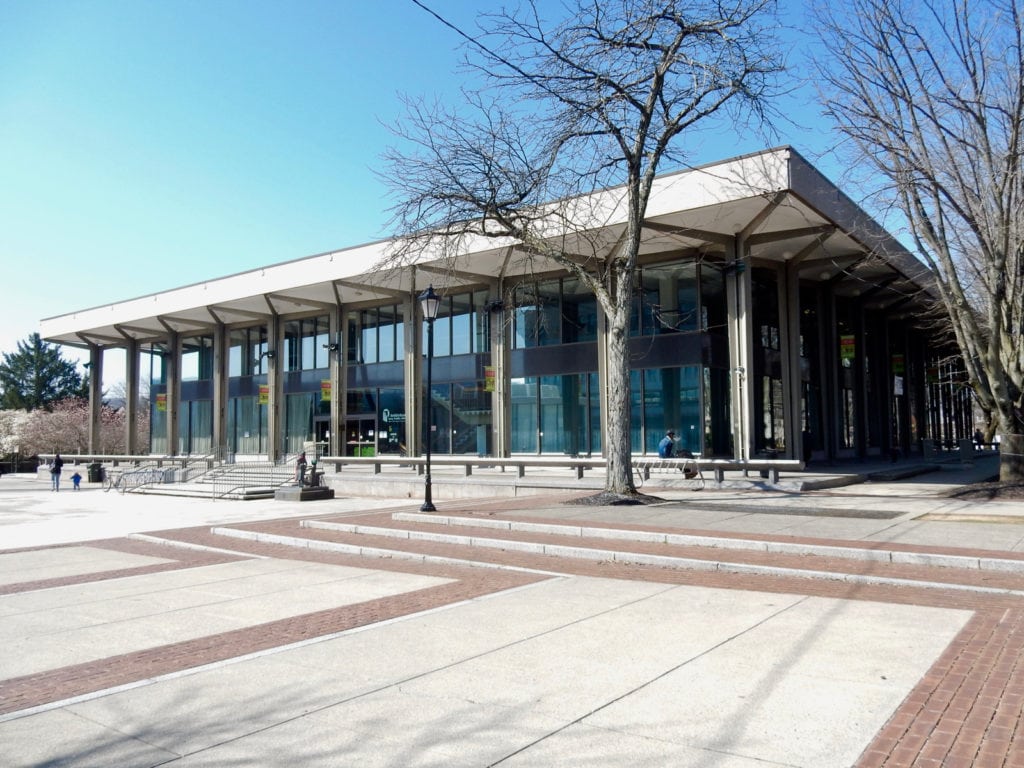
[(360, 437)]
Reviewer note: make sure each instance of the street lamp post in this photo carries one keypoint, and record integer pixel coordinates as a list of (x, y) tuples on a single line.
[(430, 302)]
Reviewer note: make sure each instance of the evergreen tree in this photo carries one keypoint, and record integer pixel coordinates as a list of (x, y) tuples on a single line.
[(37, 375)]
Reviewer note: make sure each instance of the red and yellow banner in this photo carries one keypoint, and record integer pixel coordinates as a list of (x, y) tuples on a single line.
[(847, 347), (161, 402), (488, 378), (325, 390), (264, 394)]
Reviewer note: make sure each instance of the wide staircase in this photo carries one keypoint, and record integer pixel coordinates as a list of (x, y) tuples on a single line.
[(481, 538), (243, 480)]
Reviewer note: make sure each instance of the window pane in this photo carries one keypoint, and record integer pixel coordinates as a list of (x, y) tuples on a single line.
[(524, 327), (292, 345), (399, 333), (321, 342), (670, 298), (443, 329), (386, 335), (524, 415), (368, 332), (461, 307), (579, 312), (481, 327), (549, 327), (298, 421), (471, 418)]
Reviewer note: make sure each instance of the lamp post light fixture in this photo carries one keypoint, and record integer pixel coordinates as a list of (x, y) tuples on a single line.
[(430, 302)]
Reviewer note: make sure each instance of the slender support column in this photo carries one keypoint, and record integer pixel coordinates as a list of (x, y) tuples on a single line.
[(413, 379), (131, 397), (220, 388), (740, 323), (95, 397), (860, 379), (275, 384), (173, 362), (789, 317), (500, 397), (602, 374), (336, 365)]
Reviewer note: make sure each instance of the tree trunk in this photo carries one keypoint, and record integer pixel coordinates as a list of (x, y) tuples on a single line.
[(1011, 460), (619, 473)]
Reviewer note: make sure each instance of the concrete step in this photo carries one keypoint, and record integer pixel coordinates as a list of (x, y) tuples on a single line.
[(541, 547)]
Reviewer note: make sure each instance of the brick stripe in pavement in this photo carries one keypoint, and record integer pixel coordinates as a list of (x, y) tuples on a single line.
[(180, 558)]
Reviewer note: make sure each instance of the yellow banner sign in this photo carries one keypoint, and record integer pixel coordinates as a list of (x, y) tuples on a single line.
[(847, 347), (325, 390), (264, 394)]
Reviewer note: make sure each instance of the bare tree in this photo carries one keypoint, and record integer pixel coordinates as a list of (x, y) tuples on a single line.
[(602, 96), (931, 96)]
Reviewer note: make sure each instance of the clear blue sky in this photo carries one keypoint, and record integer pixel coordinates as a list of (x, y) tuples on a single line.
[(146, 145)]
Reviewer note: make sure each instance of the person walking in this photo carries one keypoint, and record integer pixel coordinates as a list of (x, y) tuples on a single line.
[(55, 470)]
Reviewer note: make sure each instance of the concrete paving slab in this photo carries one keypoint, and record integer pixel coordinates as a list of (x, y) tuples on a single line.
[(98, 620), (597, 747), (1007, 537), (801, 689), (193, 712), (32, 516), (23, 567), (64, 740), (387, 729)]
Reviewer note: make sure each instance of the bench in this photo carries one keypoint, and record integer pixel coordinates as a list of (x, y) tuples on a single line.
[(769, 468), (690, 466), (468, 463)]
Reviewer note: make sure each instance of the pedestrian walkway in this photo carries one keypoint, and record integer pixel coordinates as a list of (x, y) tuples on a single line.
[(862, 626)]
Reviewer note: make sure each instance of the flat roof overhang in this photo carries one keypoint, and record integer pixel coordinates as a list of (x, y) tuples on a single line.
[(783, 208)]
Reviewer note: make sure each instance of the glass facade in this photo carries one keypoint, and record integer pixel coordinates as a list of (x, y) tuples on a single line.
[(680, 373), (556, 414)]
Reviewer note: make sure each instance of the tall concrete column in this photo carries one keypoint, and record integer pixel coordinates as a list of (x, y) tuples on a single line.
[(741, 356), (173, 375), (602, 374), (789, 333), (131, 397), (413, 375), (220, 389), (501, 398), (275, 384), (829, 355), (336, 366), (95, 397)]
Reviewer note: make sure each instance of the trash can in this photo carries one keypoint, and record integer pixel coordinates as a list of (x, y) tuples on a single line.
[(95, 472)]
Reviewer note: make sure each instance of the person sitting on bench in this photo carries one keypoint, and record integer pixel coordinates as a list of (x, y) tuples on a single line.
[(667, 450)]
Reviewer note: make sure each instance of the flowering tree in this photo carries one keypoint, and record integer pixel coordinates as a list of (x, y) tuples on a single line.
[(66, 429)]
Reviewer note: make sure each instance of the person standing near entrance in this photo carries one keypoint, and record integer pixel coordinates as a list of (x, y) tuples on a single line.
[(55, 470)]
